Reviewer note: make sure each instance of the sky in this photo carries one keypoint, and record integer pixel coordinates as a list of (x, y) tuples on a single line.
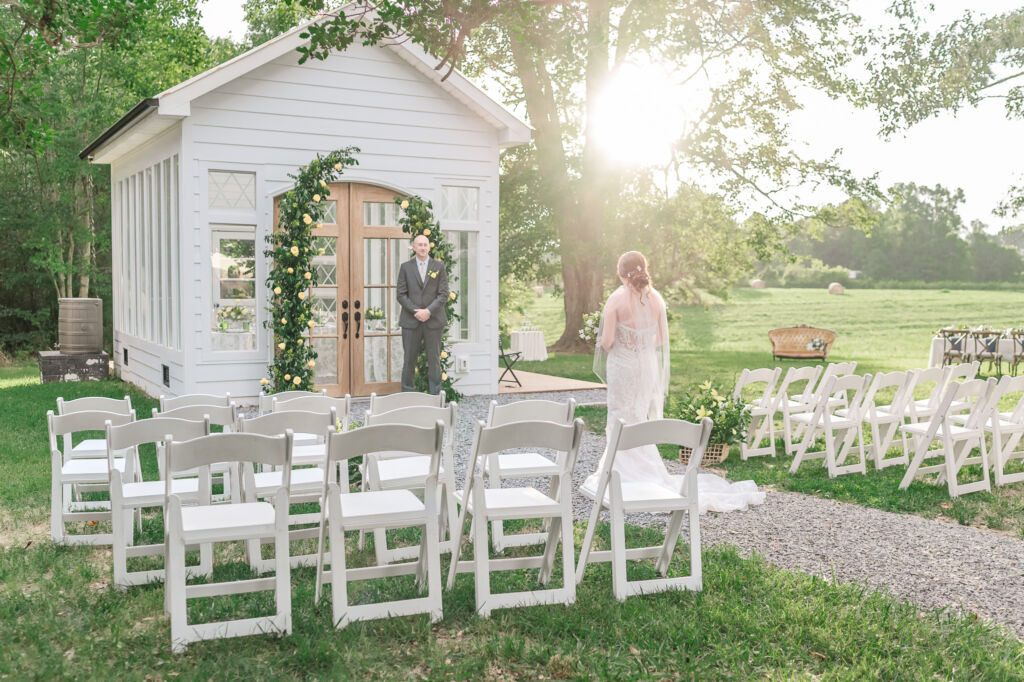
[(977, 149)]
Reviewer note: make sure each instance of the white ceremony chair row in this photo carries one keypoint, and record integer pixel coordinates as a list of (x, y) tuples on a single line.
[(90, 447)]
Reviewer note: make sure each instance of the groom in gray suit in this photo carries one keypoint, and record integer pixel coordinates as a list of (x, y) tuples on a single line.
[(422, 293)]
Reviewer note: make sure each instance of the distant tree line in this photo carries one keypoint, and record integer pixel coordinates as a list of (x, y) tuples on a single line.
[(918, 238)]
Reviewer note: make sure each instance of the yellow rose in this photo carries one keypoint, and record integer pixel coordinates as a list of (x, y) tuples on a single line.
[(706, 385), (277, 290), (405, 203), (302, 295), (306, 219), (444, 354), (308, 275), (297, 380), (294, 250), (316, 198), (433, 274), (431, 244), (281, 345), (426, 232), (264, 381), (337, 166), (452, 296), (311, 323), (291, 271), (320, 251), (701, 413), (284, 321), (312, 363), (323, 184), (444, 376), (287, 377), (302, 341)]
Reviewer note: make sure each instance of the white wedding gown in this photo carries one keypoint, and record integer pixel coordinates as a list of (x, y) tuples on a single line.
[(637, 371)]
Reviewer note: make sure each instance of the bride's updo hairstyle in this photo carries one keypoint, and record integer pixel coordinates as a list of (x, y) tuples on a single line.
[(633, 268)]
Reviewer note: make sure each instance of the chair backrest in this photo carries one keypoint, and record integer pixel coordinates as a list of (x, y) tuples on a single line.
[(986, 341), (972, 397), (852, 387), (531, 411), (954, 340), (423, 417), (965, 371), (199, 453), (833, 369), (321, 404), (219, 415), (277, 423), (1011, 388), (562, 438), (933, 380), (266, 400), (66, 425), (902, 382), (394, 401), (656, 432), (794, 375), (171, 403), (1018, 343), (156, 431), (95, 404), (367, 440), (748, 377)]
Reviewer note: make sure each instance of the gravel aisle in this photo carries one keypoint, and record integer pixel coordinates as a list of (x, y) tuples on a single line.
[(933, 563)]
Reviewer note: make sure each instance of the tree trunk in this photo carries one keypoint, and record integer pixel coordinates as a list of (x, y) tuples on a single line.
[(88, 247)]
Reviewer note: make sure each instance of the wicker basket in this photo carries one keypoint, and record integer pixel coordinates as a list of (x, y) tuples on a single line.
[(713, 453)]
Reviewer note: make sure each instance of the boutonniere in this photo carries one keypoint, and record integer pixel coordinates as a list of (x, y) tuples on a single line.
[(433, 274)]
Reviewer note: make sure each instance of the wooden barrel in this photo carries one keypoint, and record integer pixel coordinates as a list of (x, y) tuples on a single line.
[(80, 325)]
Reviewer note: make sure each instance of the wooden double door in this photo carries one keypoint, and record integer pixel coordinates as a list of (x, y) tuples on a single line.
[(357, 337)]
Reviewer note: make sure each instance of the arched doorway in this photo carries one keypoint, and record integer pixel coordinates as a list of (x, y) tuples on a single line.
[(357, 337)]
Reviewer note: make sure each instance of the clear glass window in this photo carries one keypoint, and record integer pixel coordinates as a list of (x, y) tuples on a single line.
[(233, 273), (380, 213), (464, 285)]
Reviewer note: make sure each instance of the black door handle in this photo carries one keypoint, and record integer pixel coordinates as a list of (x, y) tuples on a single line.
[(344, 319), (358, 318)]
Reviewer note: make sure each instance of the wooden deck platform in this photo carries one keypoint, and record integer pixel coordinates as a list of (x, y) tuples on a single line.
[(543, 383)]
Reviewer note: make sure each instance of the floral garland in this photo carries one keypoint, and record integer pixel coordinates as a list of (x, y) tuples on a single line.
[(292, 274), (417, 218)]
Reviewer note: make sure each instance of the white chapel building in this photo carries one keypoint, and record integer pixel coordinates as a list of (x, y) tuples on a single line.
[(196, 172)]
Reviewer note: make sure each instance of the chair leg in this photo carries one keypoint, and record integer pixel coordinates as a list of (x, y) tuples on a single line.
[(282, 580), (482, 560), (177, 602), (568, 557), (339, 576), (618, 529), (433, 562), (56, 500)]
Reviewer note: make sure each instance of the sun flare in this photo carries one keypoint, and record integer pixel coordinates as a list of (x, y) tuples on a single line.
[(639, 116)]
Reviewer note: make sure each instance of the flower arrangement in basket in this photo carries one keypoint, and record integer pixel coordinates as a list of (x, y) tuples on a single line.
[(816, 344), (230, 316), (731, 418), (591, 323)]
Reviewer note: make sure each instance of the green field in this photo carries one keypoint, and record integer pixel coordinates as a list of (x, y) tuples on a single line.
[(882, 329)]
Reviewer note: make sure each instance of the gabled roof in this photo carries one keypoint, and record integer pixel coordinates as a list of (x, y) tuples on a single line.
[(152, 116)]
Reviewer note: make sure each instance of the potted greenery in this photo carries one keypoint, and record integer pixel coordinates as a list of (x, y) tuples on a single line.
[(731, 418), (375, 319)]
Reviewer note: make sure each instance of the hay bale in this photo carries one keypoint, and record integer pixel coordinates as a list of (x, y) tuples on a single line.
[(757, 284), (836, 288)]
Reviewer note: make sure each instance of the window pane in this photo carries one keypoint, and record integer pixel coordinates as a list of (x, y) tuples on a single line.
[(379, 213), (329, 216), (326, 371), (397, 354), (460, 203), (464, 285), (375, 359), (374, 315), (327, 264), (375, 261), (233, 273), (325, 310), (232, 191)]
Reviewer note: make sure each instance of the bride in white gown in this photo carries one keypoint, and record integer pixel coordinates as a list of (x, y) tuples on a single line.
[(632, 358)]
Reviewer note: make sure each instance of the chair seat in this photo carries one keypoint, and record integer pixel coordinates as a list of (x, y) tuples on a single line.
[(523, 464), (89, 470), (955, 431), (230, 521), (310, 479), (840, 423), (151, 493), (301, 439), (515, 503), (404, 472), (381, 509), (314, 453), (642, 496), (90, 447)]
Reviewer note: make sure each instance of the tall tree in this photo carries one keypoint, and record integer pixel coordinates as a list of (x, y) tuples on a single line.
[(740, 64)]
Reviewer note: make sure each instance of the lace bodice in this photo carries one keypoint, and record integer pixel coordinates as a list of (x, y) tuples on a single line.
[(634, 340)]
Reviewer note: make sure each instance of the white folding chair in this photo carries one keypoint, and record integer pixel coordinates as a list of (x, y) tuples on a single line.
[(307, 476), (174, 402), (400, 470), (68, 474), (506, 504), (310, 443), (923, 408), (207, 523), (224, 416), (343, 511), (762, 411), (266, 400), (973, 399), (790, 401), (885, 419), (128, 498), (620, 498), (843, 436), (517, 465), (1007, 428), (91, 447), (396, 401)]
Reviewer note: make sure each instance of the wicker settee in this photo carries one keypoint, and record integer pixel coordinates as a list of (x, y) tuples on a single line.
[(801, 342)]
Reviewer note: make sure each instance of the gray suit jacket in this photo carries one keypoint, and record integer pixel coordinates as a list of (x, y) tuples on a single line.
[(431, 293)]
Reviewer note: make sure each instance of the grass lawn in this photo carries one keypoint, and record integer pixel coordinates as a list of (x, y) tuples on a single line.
[(59, 617), (883, 330)]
